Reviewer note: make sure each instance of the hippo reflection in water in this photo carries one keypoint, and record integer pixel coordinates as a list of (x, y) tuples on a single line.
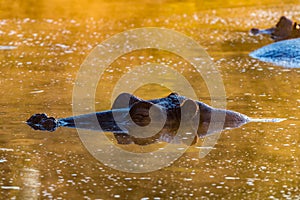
[(130, 113), (284, 29)]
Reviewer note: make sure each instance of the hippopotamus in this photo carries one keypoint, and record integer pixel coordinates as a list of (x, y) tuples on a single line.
[(284, 53), (284, 29), (286, 49), (130, 113)]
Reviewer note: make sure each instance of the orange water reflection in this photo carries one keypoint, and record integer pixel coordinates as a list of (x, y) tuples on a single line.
[(53, 38)]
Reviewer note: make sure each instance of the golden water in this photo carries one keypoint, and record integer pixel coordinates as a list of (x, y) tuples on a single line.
[(257, 161)]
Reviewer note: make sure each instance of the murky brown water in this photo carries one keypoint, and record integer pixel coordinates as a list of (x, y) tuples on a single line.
[(257, 161)]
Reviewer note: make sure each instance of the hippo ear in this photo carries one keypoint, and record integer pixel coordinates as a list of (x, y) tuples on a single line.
[(188, 109), (142, 111), (284, 22), (125, 100)]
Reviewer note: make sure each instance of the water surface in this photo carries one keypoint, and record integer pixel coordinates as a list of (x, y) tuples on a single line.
[(47, 41)]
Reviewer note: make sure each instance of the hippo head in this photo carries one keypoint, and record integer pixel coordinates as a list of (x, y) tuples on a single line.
[(157, 120), (284, 29)]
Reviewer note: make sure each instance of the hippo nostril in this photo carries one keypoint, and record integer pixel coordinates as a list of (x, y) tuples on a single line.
[(37, 118), (49, 124), (254, 31), (42, 122)]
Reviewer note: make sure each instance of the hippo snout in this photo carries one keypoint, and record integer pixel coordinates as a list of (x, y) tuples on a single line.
[(42, 122)]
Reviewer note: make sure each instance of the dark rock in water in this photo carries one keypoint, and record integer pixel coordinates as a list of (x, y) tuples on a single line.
[(134, 120), (284, 29), (284, 53)]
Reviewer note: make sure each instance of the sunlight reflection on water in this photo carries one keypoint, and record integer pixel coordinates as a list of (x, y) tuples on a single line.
[(259, 160)]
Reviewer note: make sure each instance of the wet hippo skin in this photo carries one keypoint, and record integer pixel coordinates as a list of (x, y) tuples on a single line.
[(42, 122), (130, 114), (284, 53), (284, 29)]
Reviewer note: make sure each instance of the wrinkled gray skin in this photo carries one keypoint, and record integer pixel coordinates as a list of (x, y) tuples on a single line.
[(284, 29), (284, 53), (133, 120)]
